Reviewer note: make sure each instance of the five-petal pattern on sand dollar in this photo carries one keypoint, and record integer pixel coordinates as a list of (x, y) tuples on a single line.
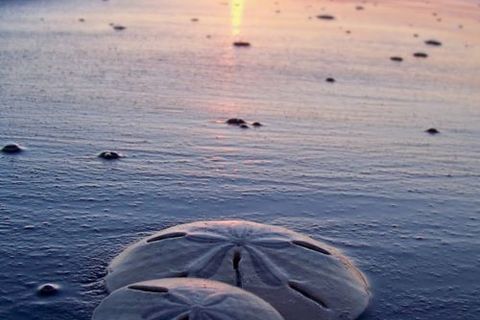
[(240, 240)]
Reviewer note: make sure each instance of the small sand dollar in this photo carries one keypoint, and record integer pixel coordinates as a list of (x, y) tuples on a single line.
[(300, 277), (183, 299)]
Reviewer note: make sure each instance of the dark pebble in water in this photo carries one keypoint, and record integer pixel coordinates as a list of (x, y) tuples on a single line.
[(109, 155), (119, 27), (48, 289), (330, 80), (420, 55), (81, 20), (235, 121), (325, 17), (194, 20), (241, 44), (433, 43), (398, 59), (244, 126), (257, 124), (12, 148), (432, 131)]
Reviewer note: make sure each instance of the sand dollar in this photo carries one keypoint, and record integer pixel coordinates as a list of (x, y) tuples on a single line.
[(302, 278), (183, 299)]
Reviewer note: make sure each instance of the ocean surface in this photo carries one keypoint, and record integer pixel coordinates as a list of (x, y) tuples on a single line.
[(348, 163)]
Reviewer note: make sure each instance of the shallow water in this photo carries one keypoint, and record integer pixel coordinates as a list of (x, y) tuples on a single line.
[(347, 163)]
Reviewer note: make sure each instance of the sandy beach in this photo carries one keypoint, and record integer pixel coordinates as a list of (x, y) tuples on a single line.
[(345, 161)]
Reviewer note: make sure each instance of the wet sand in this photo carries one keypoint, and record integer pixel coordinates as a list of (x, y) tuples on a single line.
[(346, 162)]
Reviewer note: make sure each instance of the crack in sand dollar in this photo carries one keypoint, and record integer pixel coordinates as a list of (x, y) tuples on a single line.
[(296, 274), (183, 299)]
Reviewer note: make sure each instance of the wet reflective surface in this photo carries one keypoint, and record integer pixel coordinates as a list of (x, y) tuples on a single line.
[(347, 163)]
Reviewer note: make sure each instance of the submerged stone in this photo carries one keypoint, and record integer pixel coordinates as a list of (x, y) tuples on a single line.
[(183, 299), (300, 277), (48, 289), (397, 59), (330, 80), (257, 124), (12, 148), (109, 155)]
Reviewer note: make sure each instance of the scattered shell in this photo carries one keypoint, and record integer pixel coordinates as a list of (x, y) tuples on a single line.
[(420, 55), (235, 121), (48, 289), (397, 59), (432, 131), (118, 27), (183, 299), (433, 43), (300, 277), (109, 155), (325, 17), (241, 44), (12, 148)]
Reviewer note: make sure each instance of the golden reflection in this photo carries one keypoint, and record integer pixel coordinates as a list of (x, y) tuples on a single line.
[(236, 11)]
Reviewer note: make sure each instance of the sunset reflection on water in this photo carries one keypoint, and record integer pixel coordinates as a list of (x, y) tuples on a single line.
[(237, 8)]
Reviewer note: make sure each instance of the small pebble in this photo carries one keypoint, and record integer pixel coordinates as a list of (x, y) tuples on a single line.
[(109, 155), (397, 59), (12, 148), (330, 80), (257, 124), (244, 126), (81, 20), (48, 289)]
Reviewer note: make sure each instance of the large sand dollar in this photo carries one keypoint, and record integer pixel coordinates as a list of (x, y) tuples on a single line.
[(302, 278), (183, 299)]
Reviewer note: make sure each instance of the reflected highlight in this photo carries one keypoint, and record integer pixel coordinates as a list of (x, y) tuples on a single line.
[(236, 12)]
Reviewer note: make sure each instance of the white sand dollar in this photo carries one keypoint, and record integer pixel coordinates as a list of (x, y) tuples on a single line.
[(183, 299), (300, 277)]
